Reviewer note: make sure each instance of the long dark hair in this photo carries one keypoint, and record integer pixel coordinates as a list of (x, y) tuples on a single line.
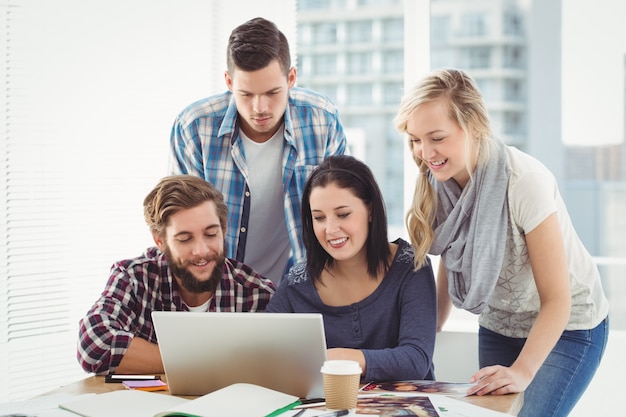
[(347, 172)]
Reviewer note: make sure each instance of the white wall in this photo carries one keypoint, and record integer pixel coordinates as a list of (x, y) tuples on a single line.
[(456, 355)]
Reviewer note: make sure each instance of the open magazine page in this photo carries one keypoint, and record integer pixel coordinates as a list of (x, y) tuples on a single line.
[(395, 404), (382, 404), (419, 387)]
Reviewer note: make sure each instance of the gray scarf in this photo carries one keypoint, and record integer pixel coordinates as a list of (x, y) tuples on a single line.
[(470, 230)]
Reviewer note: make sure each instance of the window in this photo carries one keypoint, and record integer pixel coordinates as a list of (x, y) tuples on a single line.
[(359, 63), (513, 123), (314, 4), (513, 90), (377, 3), (392, 93), (514, 57), (393, 62), (488, 88), (513, 23), (476, 57), (304, 35), (329, 91), (324, 33), (359, 32), (325, 64), (473, 25), (393, 30), (321, 4), (359, 94), (440, 57)]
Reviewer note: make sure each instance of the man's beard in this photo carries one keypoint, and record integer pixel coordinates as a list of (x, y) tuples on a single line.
[(189, 281)]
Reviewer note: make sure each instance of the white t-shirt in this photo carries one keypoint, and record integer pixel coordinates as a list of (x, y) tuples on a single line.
[(267, 243), (532, 196), (202, 308)]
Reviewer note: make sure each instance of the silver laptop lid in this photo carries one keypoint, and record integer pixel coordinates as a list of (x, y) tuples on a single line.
[(203, 352)]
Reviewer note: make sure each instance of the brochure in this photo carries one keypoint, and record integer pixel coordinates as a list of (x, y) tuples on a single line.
[(420, 387)]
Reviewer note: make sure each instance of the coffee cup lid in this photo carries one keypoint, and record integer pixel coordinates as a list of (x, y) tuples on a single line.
[(341, 367)]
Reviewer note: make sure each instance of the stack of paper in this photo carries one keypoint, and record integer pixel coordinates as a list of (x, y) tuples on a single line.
[(149, 385)]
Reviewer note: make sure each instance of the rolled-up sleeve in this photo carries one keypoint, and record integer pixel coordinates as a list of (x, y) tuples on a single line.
[(107, 329)]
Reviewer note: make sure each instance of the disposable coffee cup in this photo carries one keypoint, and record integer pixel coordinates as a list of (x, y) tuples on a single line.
[(341, 384)]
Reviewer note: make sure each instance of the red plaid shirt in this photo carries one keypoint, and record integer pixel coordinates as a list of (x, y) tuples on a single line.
[(139, 286)]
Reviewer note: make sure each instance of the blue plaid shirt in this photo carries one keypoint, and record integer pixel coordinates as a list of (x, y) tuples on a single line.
[(205, 142)]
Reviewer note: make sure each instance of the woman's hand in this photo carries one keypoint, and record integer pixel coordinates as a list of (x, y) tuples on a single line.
[(347, 354), (498, 380)]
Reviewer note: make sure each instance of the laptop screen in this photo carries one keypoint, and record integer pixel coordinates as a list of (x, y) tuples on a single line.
[(203, 352)]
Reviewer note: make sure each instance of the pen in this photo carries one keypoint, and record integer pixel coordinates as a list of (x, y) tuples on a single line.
[(122, 377), (310, 403), (337, 413)]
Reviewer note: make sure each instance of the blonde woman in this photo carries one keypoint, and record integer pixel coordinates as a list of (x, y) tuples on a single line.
[(508, 249)]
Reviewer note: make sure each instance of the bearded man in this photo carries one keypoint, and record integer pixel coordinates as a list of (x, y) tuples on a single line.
[(186, 271)]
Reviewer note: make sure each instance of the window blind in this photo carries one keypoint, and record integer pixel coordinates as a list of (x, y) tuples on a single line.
[(89, 92)]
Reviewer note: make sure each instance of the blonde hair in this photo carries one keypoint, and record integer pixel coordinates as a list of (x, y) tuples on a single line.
[(467, 108)]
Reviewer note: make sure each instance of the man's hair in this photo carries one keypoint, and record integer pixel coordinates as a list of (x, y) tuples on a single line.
[(180, 192), (347, 172), (255, 44)]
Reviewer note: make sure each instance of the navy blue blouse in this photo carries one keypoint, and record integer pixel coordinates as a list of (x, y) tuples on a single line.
[(394, 327)]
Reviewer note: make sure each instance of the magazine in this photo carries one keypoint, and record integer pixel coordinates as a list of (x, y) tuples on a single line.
[(395, 404), (420, 387)]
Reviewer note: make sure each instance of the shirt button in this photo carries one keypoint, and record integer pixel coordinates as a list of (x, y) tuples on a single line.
[(243, 230), (247, 193)]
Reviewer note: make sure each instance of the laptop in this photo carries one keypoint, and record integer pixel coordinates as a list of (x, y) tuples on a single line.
[(203, 352)]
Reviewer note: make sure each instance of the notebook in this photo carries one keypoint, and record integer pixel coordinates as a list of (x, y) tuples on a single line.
[(203, 352), (238, 400)]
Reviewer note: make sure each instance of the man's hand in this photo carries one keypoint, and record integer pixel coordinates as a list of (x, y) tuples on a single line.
[(142, 357)]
